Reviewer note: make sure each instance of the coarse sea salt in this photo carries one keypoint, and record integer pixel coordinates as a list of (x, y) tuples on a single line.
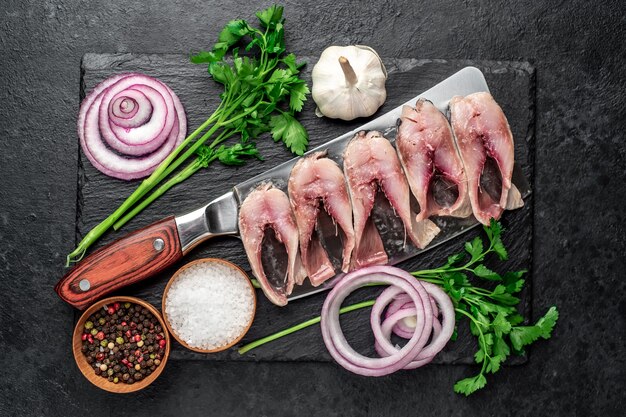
[(209, 305)]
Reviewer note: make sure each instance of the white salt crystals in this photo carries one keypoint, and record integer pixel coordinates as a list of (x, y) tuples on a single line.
[(209, 304)]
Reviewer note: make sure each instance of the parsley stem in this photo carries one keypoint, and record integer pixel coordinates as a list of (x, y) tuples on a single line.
[(146, 185), (481, 336), (248, 347), (177, 179)]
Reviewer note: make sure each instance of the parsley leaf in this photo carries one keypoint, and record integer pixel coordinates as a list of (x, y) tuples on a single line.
[(290, 131), (271, 16), (470, 385), (233, 154), (492, 313), (500, 325), (524, 335), (475, 248), (486, 273), (297, 95)]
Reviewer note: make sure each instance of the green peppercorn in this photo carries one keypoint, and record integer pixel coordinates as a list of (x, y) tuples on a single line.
[(88, 325), (116, 380), (104, 343), (152, 355), (101, 320), (110, 372), (119, 340), (140, 343), (126, 305), (94, 332)]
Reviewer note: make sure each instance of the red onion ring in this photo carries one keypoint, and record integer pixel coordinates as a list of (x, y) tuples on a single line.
[(129, 117), (406, 297), (335, 340), (402, 328), (115, 113), (438, 341), (390, 322)]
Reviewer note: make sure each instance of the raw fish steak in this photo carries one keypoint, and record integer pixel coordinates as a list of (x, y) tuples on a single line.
[(485, 141), (370, 162), (318, 181), (268, 207), (431, 162)]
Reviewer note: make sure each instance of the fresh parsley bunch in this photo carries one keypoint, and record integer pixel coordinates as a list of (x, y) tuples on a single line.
[(492, 313), (262, 93), (255, 86)]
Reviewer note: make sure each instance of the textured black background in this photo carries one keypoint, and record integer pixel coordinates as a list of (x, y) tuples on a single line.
[(578, 51)]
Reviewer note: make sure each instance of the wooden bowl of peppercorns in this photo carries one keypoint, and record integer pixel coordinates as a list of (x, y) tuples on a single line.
[(121, 344)]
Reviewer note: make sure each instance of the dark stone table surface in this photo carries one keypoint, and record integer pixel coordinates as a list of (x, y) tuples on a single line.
[(578, 50)]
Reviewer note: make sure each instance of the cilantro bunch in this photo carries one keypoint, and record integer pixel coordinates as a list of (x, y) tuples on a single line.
[(262, 94), (492, 313)]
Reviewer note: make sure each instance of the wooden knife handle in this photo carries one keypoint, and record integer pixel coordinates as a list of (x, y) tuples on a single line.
[(132, 258)]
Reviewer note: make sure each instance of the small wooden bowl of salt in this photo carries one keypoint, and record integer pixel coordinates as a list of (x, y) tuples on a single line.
[(209, 305)]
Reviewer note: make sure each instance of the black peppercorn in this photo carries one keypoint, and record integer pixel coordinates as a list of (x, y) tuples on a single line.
[(119, 353)]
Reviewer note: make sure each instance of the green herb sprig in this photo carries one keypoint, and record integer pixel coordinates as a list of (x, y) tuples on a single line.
[(492, 312), (262, 94)]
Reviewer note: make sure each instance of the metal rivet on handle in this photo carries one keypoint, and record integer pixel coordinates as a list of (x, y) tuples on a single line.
[(158, 244), (84, 285)]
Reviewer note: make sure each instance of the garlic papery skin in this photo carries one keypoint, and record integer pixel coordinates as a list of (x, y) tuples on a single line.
[(349, 82)]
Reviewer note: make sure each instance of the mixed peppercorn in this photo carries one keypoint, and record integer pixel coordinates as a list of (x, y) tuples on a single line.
[(123, 342)]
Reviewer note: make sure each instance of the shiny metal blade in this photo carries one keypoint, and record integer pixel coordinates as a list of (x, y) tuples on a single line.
[(467, 81)]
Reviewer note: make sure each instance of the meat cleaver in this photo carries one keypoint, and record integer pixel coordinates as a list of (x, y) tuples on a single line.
[(145, 252)]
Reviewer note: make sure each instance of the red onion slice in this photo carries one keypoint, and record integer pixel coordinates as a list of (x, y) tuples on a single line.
[(405, 327), (142, 119), (335, 340), (438, 341), (391, 322), (130, 108), (155, 131), (406, 297)]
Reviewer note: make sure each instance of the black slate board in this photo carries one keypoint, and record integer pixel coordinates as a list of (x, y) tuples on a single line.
[(511, 83)]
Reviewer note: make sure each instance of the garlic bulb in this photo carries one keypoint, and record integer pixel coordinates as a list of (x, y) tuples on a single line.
[(349, 82)]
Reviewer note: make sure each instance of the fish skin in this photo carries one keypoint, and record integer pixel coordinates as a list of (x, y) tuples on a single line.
[(371, 161), (425, 144), (267, 206), (313, 179), (482, 130)]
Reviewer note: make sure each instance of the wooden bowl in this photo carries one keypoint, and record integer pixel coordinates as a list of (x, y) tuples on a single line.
[(176, 275), (88, 371)]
